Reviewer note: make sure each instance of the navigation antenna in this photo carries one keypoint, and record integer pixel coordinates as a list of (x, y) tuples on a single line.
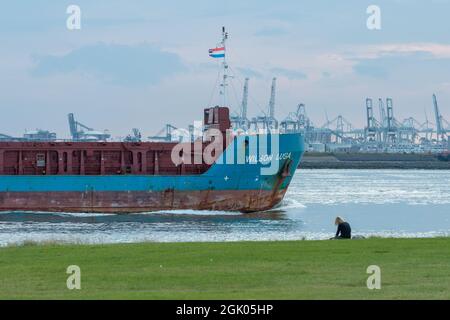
[(224, 84)]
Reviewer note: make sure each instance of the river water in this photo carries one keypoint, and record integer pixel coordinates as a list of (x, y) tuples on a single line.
[(384, 203)]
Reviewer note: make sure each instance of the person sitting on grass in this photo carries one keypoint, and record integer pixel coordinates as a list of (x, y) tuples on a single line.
[(344, 231)]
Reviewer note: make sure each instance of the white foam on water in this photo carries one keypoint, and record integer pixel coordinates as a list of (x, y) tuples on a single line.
[(184, 236), (195, 212), (415, 187), (288, 203), (81, 214), (88, 214), (61, 214)]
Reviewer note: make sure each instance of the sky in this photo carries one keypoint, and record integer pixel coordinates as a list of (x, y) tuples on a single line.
[(142, 64)]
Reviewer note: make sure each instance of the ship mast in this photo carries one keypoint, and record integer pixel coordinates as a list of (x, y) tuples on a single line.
[(224, 84)]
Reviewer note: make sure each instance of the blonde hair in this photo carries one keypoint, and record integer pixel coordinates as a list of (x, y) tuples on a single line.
[(338, 220)]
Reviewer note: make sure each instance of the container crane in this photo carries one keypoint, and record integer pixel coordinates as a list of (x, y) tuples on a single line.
[(165, 134), (372, 125), (81, 132), (136, 136), (440, 131), (382, 113), (241, 121), (390, 121), (268, 120)]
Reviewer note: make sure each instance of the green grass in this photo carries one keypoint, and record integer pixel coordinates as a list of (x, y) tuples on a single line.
[(411, 269)]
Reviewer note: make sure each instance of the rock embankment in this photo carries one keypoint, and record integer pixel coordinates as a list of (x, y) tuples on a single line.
[(372, 161)]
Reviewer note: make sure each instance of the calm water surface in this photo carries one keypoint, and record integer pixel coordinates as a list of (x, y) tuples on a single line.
[(386, 203)]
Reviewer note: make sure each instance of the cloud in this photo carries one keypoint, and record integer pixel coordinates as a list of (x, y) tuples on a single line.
[(375, 68), (400, 62), (384, 65), (270, 32), (435, 50), (250, 73), (142, 64), (288, 73)]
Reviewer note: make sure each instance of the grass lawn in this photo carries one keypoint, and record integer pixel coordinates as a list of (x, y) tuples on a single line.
[(410, 269)]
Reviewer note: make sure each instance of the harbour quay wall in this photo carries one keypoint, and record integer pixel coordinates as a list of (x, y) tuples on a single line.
[(372, 161)]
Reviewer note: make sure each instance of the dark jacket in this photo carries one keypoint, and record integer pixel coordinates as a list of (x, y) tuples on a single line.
[(344, 231)]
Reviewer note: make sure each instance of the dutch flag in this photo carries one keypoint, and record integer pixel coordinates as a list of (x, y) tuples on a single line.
[(217, 52)]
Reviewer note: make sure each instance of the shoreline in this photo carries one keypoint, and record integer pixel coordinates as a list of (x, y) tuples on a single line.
[(372, 161), (62, 243), (80, 243), (373, 165)]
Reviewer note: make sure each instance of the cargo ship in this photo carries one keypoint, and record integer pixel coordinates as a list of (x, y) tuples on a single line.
[(244, 172)]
